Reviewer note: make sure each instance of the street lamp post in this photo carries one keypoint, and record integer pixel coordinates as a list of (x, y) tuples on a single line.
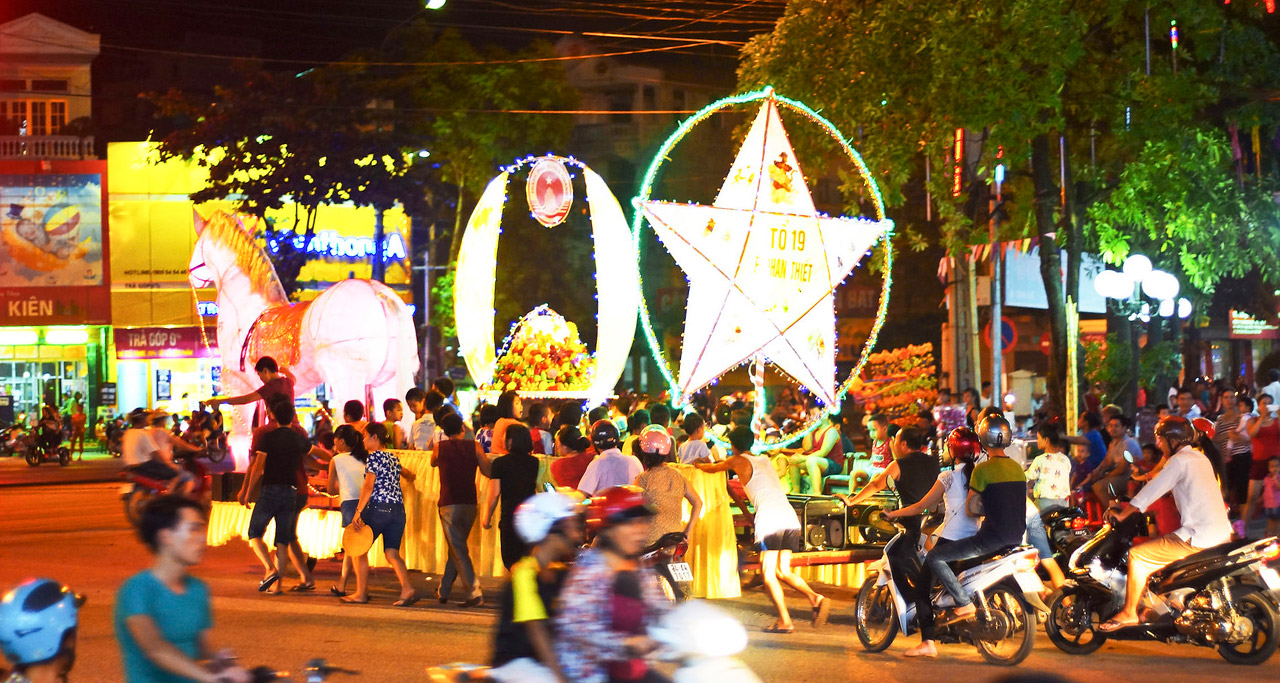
[(1137, 280)]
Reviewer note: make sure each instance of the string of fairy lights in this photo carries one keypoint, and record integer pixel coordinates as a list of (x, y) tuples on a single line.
[(637, 228)]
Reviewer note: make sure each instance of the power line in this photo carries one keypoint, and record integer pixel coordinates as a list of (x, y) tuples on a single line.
[(277, 60)]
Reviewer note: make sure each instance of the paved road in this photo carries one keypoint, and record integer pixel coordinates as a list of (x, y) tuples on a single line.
[(96, 466), (77, 534)]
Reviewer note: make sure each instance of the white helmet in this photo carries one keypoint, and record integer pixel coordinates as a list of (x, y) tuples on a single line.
[(535, 517)]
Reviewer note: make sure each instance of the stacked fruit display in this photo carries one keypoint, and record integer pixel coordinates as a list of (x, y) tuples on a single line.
[(543, 354)]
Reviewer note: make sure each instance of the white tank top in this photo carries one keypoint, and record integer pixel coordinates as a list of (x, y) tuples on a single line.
[(773, 511)]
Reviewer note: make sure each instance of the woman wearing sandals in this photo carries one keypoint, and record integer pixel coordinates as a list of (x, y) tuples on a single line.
[(381, 506), (346, 479)]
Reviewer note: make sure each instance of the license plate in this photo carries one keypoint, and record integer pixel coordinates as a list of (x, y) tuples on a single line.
[(680, 572), (1270, 577)]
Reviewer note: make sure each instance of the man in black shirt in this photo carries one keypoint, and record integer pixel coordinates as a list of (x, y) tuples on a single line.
[(913, 473), (275, 464)]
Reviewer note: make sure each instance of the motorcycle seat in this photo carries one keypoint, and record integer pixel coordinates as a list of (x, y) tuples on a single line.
[(666, 540), (148, 482), (969, 563), (1201, 556)]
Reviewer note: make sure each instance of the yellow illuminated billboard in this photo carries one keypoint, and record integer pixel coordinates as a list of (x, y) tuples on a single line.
[(152, 236)]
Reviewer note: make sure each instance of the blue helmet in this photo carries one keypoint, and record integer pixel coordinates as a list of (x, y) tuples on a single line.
[(35, 617)]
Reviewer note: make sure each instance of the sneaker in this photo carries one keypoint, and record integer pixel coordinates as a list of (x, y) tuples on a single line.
[(477, 601)]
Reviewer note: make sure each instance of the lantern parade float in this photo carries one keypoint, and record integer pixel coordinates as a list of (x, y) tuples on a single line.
[(543, 355), (763, 265), (357, 337)]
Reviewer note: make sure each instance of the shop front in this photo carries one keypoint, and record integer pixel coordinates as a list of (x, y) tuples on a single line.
[(40, 364), (172, 368)]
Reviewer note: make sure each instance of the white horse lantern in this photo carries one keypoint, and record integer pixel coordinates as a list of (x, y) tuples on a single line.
[(357, 336)]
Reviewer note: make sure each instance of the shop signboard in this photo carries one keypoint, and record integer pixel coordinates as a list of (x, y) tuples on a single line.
[(145, 343), (153, 235), (53, 246), (1024, 286), (1245, 326), (6, 410)]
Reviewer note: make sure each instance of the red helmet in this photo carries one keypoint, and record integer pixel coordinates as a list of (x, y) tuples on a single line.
[(1204, 426), (614, 505), (964, 445)]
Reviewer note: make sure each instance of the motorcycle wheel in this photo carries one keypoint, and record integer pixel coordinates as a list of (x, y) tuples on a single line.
[(1068, 612), (33, 457), (133, 503), (215, 454), (875, 616), (1258, 648), (64, 456), (1015, 624)]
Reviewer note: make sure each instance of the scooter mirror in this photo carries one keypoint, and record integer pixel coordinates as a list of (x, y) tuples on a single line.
[(1128, 457)]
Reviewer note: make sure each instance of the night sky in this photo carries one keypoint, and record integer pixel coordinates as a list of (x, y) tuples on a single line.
[(326, 29)]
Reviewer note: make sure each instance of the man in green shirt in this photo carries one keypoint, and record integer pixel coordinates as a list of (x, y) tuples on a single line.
[(162, 617)]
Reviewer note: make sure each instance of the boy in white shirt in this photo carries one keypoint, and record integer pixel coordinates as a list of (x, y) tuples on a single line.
[(1049, 476)]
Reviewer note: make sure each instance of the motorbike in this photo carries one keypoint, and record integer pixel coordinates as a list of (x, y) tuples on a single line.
[(13, 441), (1221, 597), (115, 440), (1068, 528), (666, 556), (138, 489), (1005, 584), (39, 450), (702, 639), (315, 671)]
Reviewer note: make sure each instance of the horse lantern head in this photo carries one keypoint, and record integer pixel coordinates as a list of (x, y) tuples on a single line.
[(199, 271)]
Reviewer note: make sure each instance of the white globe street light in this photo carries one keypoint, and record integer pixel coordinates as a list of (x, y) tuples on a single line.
[(1160, 285), (1184, 308), (434, 4), (1166, 308), (1137, 267), (1113, 284)]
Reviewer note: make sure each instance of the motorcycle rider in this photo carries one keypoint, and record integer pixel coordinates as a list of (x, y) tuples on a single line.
[(1188, 474), (610, 598), (143, 456), (163, 620), (914, 474), (523, 645), (611, 467), (998, 494), (38, 622), (952, 486)]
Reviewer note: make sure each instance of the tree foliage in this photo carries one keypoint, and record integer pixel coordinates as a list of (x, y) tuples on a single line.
[(381, 127), (1061, 92)]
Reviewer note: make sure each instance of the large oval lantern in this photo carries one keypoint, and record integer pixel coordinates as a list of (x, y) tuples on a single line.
[(617, 286)]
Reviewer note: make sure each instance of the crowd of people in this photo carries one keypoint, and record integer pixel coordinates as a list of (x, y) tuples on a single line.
[(573, 614)]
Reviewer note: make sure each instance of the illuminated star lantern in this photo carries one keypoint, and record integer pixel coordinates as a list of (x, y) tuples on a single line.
[(762, 266)]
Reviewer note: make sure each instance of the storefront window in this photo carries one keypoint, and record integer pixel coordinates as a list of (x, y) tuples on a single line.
[(29, 382)]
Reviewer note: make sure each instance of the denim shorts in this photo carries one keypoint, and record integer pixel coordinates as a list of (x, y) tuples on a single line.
[(279, 503), (348, 511), (387, 520)]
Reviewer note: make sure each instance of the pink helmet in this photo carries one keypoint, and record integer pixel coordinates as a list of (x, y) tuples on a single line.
[(656, 441)]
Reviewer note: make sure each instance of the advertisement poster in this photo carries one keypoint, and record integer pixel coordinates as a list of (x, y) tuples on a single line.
[(51, 230)]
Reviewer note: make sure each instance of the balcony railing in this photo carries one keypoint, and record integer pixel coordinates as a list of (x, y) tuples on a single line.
[(46, 147)]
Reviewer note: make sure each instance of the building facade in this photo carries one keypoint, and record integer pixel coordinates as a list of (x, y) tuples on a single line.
[(55, 310)]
